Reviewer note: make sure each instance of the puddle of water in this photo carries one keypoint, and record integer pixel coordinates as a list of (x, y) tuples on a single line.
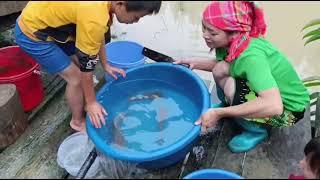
[(198, 151)]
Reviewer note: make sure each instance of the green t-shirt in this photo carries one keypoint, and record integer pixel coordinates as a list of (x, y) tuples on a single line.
[(265, 67)]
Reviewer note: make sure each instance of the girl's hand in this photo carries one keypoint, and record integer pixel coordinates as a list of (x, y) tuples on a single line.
[(190, 62), (208, 120), (113, 71), (96, 113)]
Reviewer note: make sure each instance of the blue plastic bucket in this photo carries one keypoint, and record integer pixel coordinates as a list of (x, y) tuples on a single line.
[(166, 72), (212, 174), (124, 55)]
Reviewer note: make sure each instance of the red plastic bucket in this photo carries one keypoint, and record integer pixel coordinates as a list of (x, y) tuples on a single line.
[(19, 68)]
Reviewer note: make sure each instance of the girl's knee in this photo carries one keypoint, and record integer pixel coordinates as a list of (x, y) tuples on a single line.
[(221, 73), (229, 89), (221, 69)]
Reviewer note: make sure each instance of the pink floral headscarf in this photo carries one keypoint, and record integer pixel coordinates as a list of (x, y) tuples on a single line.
[(241, 16)]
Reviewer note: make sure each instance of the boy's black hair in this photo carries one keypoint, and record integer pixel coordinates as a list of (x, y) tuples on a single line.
[(152, 7), (312, 152)]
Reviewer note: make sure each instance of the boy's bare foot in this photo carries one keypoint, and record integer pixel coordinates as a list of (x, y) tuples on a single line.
[(78, 126)]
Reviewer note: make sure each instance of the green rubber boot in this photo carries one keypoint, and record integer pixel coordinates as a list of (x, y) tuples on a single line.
[(252, 135)]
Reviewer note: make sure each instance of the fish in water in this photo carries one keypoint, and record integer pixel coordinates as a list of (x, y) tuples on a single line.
[(119, 119), (160, 141), (117, 135), (146, 96), (163, 114)]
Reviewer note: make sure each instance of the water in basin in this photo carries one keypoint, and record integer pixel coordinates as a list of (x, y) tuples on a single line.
[(146, 115)]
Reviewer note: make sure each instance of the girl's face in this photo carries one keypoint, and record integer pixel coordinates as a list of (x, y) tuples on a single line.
[(215, 37), (128, 17), (307, 173)]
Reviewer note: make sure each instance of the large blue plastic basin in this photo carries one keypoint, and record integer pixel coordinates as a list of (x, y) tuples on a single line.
[(190, 85), (212, 174)]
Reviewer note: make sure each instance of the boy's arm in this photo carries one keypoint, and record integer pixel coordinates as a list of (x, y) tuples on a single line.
[(109, 69), (103, 55), (95, 111), (87, 86), (91, 24)]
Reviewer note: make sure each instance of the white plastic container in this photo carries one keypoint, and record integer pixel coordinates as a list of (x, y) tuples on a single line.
[(73, 152)]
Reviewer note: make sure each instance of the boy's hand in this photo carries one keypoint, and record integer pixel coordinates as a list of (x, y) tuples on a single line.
[(185, 61), (113, 71), (96, 114), (208, 120)]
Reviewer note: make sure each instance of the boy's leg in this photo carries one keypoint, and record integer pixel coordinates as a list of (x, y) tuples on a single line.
[(70, 49), (54, 60), (74, 96), (75, 60), (73, 93)]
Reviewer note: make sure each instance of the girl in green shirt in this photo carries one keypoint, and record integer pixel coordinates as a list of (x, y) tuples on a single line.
[(259, 83)]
